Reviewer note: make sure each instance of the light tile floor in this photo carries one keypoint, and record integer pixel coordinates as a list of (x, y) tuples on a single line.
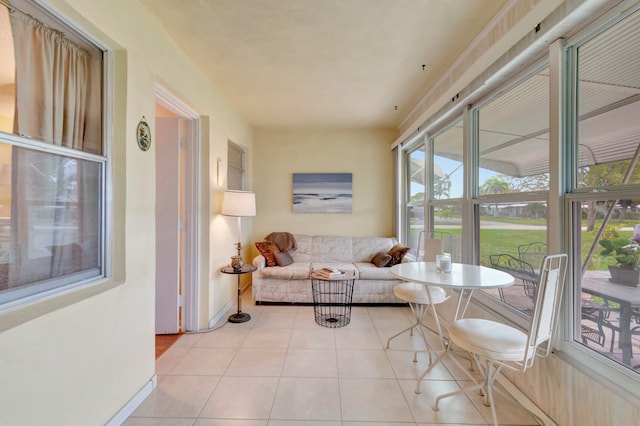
[(282, 369)]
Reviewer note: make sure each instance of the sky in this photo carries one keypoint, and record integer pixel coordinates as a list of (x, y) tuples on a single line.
[(449, 166), (326, 183)]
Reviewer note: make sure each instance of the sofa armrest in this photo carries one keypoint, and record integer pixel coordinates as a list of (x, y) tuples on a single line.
[(259, 262)]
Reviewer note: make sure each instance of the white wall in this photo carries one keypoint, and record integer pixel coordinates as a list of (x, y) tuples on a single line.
[(79, 358), (365, 153)]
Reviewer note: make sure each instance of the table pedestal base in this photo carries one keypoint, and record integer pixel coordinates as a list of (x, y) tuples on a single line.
[(240, 317)]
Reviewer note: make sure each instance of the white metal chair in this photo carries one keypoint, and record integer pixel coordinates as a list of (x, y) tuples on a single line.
[(420, 299), (502, 346)]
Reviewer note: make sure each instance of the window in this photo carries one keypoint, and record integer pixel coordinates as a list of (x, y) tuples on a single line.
[(52, 162), (445, 205), (236, 167), (447, 163), (605, 201), (415, 184), (513, 182)]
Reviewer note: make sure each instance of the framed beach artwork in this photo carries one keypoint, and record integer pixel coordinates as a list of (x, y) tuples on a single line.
[(322, 192)]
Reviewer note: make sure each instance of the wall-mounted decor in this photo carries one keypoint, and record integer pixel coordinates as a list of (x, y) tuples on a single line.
[(322, 192), (143, 135)]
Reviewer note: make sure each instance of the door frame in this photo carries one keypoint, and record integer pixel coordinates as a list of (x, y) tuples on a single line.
[(191, 188)]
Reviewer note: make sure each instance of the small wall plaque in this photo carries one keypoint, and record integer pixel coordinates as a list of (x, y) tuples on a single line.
[(143, 135)]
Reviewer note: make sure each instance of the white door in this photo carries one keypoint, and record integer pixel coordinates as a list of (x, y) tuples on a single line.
[(168, 241)]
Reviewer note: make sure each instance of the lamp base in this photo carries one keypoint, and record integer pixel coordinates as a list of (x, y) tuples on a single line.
[(237, 263), (239, 317)]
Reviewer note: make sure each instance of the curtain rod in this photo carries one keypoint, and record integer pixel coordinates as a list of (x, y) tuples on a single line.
[(11, 7)]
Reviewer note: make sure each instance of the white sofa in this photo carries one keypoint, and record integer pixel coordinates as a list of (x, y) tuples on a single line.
[(292, 284)]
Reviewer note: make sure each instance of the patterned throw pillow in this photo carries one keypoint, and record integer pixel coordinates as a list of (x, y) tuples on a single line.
[(381, 259), (397, 253), (268, 250)]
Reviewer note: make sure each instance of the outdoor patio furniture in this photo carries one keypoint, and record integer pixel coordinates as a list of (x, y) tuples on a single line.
[(520, 269), (533, 253), (599, 314), (627, 298)]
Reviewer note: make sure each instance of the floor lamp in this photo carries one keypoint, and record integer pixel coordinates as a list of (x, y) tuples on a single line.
[(239, 204)]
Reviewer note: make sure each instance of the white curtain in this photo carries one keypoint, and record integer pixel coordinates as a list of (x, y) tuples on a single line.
[(57, 87), (58, 101)]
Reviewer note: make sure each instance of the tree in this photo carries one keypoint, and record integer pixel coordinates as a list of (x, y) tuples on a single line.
[(495, 185), (442, 187), (529, 183), (603, 176)]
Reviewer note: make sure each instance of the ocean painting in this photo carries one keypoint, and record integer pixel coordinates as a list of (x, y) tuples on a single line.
[(322, 192)]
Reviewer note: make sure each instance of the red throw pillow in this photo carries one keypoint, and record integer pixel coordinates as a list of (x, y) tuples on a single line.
[(268, 250)]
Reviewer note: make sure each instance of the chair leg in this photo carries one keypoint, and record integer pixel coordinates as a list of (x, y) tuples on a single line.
[(410, 329), (419, 312), (491, 372)]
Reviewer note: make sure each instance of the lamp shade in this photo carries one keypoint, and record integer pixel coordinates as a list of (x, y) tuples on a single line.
[(239, 203)]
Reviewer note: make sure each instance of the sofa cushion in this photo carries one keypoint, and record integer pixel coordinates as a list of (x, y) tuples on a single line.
[(364, 248), (331, 248), (295, 271), (303, 251), (397, 252), (369, 271), (268, 250), (283, 258)]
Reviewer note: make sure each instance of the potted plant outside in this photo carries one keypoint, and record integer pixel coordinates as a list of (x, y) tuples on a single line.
[(627, 257)]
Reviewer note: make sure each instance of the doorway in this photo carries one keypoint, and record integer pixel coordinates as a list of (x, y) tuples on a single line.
[(177, 142)]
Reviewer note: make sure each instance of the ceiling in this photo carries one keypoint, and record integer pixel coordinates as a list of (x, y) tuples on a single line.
[(323, 63)]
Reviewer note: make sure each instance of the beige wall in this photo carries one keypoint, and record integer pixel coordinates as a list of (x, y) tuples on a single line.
[(364, 153), (79, 358)]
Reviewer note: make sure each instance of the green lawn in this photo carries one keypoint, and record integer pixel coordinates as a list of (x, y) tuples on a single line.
[(496, 241)]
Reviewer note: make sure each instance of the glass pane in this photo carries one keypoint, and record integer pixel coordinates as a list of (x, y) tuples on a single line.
[(513, 238), (608, 309), (235, 167), (416, 190), (50, 218), (514, 139), (447, 164), (608, 107), (448, 228)]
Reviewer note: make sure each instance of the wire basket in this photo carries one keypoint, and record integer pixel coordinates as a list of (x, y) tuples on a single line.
[(332, 301)]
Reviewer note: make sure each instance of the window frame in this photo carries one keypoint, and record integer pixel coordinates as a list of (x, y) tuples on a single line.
[(71, 283), (562, 125), (597, 366), (241, 168)]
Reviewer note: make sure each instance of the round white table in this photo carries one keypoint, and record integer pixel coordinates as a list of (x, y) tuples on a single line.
[(464, 278)]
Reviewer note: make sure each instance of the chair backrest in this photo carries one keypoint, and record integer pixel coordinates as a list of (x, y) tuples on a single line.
[(432, 247), (435, 242), (533, 253), (544, 318)]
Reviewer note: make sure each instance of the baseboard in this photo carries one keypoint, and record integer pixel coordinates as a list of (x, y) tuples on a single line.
[(134, 403), (223, 313), (524, 401)]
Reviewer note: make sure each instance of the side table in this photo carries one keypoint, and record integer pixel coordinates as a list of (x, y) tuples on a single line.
[(332, 298), (246, 269)]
